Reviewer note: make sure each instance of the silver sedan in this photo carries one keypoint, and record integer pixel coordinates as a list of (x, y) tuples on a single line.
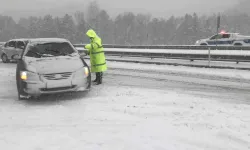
[(51, 65)]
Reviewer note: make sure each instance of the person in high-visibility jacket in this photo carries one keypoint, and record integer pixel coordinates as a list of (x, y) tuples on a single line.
[(97, 57)]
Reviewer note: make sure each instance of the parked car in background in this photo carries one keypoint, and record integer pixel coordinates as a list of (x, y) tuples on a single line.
[(2, 43), (49, 66), (12, 48), (226, 39), (1, 47)]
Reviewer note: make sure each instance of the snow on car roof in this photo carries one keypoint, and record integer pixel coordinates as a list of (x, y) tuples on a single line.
[(42, 40), (22, 39)]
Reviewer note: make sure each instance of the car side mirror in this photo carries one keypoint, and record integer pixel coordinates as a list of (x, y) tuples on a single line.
[(16, 57)]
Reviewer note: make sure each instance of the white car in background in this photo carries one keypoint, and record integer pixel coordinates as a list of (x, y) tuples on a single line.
[(226, 39), (2, 43), (12, 48)]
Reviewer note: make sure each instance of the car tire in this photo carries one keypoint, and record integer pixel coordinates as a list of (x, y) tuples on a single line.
[(203, 44), (5, 59), (21, 94), (237, 44), (19, 84)]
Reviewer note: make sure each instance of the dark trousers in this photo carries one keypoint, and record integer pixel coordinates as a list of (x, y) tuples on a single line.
[(98, 77)]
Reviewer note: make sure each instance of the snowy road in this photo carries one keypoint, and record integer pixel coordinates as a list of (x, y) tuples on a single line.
[(139, 107)]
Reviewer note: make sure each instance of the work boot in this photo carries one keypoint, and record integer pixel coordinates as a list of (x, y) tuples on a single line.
[(99, 80), (96, 76)]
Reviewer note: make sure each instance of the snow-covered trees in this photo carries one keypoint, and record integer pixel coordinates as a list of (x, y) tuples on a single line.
[(126, 28)]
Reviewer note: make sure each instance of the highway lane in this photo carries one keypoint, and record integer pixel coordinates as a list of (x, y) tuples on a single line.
[(131, 110)]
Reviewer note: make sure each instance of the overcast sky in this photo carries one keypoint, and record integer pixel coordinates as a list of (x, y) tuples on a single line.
[(156, 7)]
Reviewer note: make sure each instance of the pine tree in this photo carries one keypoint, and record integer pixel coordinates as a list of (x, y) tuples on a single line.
[(48, 28), (81, 28), (93, 20)]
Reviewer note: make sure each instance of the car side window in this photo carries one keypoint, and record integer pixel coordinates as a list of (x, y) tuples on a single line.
[(213, 37), (20, 44), (226, 36), (218, 36), (12, 44)]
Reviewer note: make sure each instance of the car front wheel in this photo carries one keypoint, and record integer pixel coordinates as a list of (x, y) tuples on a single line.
[(5, 58), (21, 94), (203, 44), (19, 83), (237, 44)]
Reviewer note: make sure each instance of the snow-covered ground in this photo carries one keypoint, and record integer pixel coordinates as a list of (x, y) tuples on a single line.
[(131, 112)]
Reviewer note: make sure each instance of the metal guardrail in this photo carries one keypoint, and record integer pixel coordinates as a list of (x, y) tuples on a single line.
[(191, 57), (186, 47), (207, 55)]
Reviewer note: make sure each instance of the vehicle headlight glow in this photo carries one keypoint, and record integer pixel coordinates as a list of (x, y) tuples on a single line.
[(86, 71), (81, 72), (24, 75)]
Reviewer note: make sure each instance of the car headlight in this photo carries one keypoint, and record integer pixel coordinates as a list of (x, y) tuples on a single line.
[(30, 76), (24, 75), (86, 71), (82, 72)]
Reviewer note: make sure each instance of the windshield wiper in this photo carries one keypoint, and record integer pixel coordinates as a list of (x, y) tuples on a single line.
[(56, 51), (61, 53), (39, 54), (69, 54)]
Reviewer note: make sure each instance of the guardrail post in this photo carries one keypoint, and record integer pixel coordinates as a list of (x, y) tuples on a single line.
[(209, 57)]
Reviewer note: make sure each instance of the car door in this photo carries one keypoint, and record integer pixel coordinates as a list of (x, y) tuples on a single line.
[(211, 40), (20, 45), (216, 39), (9, 48), (225, 40)]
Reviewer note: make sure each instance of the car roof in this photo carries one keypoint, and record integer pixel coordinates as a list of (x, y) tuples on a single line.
[(38, 40), (228, 33), (22, 39)]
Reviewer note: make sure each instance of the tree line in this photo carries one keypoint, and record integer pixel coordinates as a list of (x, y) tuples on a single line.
[(125, 29)]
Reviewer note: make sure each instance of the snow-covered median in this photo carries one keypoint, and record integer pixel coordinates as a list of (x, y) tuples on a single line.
[(227, 73)]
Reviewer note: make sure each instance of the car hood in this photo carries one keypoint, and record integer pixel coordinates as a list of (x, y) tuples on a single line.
[(53, 64)]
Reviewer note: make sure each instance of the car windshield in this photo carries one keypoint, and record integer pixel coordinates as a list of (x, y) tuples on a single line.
[(51, 49)]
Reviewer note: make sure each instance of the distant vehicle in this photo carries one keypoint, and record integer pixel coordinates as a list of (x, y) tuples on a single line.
[(1, 47), (2, 43), (49, 66), (226, 39), (11, 48)]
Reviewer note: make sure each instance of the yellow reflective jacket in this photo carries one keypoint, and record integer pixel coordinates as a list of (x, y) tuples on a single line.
[(96, 52)]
